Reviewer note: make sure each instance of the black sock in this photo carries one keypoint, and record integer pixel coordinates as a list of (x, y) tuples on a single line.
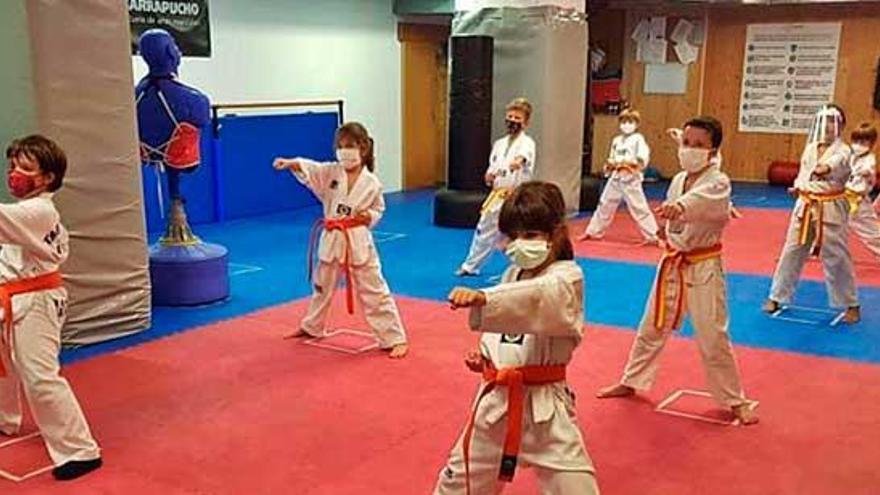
[(72, 470)]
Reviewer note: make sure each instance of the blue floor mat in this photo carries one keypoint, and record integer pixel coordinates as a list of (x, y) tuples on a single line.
[(269, 268)]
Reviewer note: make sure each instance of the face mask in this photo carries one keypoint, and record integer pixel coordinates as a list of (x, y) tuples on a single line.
[(350, 158), (20, 184), (860, 149), (693, 159), (513, 126), (628, 127), (528, 253)]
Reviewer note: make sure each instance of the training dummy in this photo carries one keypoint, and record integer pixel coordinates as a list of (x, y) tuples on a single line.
[(863, 217), (625, 168), (33, 245), (819, 220), (530, 325), (171, 117), (512, 163), (353, 204), (690, 278)]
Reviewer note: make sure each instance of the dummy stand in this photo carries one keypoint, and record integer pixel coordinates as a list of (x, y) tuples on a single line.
[(790, 312), (185, 271), (343, 338), (18, 478), (664, 408)]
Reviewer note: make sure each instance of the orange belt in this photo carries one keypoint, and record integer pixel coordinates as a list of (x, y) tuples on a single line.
[(515, 379), (11, 289), (811, 199), (341, 224), (627, 166), (496, 195), (677, 261)]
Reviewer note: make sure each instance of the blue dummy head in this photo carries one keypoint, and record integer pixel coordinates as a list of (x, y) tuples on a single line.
[(160, 52)]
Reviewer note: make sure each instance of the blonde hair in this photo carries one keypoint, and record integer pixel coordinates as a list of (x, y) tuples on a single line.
[(520, 105), (631, 115)]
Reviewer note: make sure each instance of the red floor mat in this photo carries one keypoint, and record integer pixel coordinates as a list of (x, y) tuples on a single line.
[(232, 409)]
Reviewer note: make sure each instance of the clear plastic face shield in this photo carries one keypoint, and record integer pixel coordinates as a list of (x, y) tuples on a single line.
[(827, 126)]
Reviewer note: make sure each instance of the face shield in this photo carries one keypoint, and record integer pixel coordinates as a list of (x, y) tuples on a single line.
[(827, 126)]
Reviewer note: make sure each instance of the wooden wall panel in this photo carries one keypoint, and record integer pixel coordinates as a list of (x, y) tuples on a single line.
[(748, 155), (660, 112)]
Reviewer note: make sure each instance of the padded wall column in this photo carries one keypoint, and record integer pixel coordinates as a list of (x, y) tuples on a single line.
[(84, 99)]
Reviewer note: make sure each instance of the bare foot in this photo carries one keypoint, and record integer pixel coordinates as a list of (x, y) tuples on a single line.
[(745, 413), (650, 242), (586, 237), (398, 351), (614, 391), (299, 333), (852, 315), (770, 306)]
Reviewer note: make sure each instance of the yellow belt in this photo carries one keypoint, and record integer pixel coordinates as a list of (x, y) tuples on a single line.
[(810, 200), (496, 196), (675, 262)]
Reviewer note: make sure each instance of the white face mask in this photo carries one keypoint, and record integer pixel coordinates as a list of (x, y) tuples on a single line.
[(860, 149), (628, 127), (693, 159), (350, 158), (528, 253)]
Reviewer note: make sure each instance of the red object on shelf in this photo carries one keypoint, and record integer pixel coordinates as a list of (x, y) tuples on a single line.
[(605, 91), (782, 173)]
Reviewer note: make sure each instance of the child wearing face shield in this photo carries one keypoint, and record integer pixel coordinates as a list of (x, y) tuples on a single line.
[(511, 163), (690, 277), (530, 325), (33, 245), (863, 218), (624, 168), (353, 204), (819, 221)]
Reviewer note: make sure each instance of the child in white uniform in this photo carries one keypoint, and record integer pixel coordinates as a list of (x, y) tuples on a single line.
[(512, 163), (530, 325), (819, 220), (353, 204), (33, 244), (690, 278), (625, 167), (863, 218)]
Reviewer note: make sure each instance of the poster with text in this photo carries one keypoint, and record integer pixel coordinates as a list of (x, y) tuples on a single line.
[(186, 20), (789, 71)]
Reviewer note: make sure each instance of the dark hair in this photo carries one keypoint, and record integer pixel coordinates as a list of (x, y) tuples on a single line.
[(358, 133), (864, 132), (710, 125), (840, 110), (48, 155), (537, 206)]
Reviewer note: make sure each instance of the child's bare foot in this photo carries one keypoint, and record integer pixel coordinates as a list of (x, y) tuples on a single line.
[(398, 351), (299, 333), (745, 413), (650, 242), (586, 237), (616, 390), (853, 315), (770, 306)]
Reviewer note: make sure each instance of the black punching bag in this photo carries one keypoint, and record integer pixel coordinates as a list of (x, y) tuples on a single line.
[(470, 132)]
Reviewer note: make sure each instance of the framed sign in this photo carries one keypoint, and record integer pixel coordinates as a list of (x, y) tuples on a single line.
[(186, 20), (789, 71)]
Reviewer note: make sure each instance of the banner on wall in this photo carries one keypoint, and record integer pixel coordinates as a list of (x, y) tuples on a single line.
[(789, 71), (186, 20)]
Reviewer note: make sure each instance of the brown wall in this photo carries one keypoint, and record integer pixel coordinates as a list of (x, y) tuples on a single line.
[(747, 155)]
